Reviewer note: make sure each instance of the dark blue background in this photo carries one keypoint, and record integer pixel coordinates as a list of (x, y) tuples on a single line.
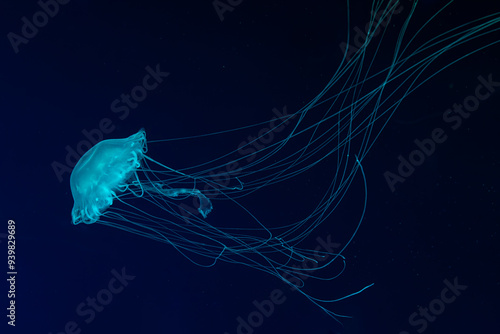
[(443, 222)]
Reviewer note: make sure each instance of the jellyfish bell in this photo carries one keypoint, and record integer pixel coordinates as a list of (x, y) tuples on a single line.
[(109, 170), (103, 171)]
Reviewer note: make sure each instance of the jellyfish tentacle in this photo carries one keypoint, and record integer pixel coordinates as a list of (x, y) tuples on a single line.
[(205, 206)]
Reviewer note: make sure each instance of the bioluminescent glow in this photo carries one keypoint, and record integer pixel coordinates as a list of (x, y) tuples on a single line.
[(117, 184)]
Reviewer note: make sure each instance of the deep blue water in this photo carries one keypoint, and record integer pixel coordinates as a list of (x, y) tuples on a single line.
[(441, 224)]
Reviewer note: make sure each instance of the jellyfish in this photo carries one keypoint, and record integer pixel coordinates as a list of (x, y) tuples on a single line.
[(112, 167), (118, 184), (118, 171)]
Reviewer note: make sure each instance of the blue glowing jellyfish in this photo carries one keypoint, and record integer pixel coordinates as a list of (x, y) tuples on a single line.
[(110, 168), (117, 184)]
